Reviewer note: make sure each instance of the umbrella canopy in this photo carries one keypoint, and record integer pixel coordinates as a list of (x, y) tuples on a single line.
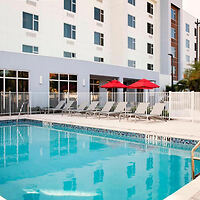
[(114, 84), (143, 84)]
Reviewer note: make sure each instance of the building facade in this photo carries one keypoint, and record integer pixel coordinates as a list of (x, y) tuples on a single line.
[(76, 46)]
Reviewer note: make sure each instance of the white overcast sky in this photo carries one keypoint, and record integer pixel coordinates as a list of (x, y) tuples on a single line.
[(193, 7)]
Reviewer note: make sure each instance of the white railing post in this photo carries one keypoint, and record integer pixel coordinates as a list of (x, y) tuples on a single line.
[(30, 102), (170, 104), (10, 107), (192, 105), (90, 97), (107, 96)]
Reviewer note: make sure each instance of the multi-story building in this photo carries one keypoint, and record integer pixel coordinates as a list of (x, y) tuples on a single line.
[(75, 46)]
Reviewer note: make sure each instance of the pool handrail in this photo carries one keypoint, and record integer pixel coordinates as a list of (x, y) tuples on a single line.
[(193, 159)]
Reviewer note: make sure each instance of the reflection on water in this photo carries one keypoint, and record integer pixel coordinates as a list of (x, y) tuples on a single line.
[(41, 164)]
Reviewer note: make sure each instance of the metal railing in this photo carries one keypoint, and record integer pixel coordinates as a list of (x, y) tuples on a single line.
[(193, 159)]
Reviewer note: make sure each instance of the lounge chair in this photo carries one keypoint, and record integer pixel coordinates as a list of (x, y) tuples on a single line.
[(80, 108), (57, 108), (156, 112), (107, 107), (92, 107), (67, 106), (140, 110), (121, 107)]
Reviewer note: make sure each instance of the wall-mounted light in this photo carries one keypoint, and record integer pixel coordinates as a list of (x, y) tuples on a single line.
[(83, 82), (41, 80)]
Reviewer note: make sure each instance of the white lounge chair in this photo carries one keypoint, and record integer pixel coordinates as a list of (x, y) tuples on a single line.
[(121, 107), (140, 110), (58, 107), (92, 107), (67, 106), (107, 107), (80, 108)]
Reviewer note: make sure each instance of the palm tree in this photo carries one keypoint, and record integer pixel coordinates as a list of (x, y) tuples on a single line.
[(192, 75)]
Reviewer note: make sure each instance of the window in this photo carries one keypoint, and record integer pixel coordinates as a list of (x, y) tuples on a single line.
[(131, 43), (150, 48), (174, 70), (173, 33), (187, 59), (173, 51), (69, 54), (70, 5), (132, 2), (150, 28), (195, 46), (195, 32), (99, 14), (15, 81), (131, 21), (150, 8), (69, 31), (99, 38), (187, 28), (173, 14), (187, 43), (62, 83), (132, 63), (98, 59), (30, 21), (150, 66), (94, 88), (29, 49)]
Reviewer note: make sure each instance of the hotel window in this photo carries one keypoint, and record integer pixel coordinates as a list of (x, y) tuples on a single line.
[(173, 14), (30, 21), (150, 8), (98, 14), (94, 85), (15, 81), (132, 2), (173, 51), (98, 59), (150, 28), (69, 31), (67, 54), (131, 21), (187, 59), (131, 43), (29, 49), (99, 38), (174, 70), (187, 43), (70, 5), (187, 28), (62, 83), (150, 66), (150, 48), (173, 33), (132, 63)]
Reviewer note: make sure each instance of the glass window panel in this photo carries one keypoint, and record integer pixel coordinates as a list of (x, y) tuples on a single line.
[(36, 17), (53, 86), (96, 38), (53, 76), (67, 30), (22, 74), (96, 88), (67, 5), (73, 77), (36, 25), (27, 49), (1, 84), (1, 73), (10, 85), (27, 20), (64, 77), (63, 86), (22, 85), (72, 87), (10, 73), (97, 14)]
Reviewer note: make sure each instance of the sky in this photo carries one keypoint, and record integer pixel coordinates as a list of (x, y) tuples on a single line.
[(193, 7)]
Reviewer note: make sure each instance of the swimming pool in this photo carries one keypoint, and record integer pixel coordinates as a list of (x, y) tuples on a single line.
[(42, 163)]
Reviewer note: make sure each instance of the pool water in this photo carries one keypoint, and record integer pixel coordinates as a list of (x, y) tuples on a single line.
[(38, 163)]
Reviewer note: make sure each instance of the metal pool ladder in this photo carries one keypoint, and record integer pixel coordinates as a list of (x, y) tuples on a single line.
[(20, 113), (193, 159)]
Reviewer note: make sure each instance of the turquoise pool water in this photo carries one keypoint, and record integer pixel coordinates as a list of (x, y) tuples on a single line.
[(38, 163)]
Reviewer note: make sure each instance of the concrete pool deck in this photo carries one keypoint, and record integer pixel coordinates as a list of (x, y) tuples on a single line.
[(174, 128)]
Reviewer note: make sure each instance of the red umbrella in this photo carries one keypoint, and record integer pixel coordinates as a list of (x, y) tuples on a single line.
[(114, 84), (143, 84)]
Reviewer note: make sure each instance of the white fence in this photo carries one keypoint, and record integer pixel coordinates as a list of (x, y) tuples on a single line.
[(179, 105)]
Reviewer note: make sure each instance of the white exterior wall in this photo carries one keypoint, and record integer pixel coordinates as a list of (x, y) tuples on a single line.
[(189, 19)]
